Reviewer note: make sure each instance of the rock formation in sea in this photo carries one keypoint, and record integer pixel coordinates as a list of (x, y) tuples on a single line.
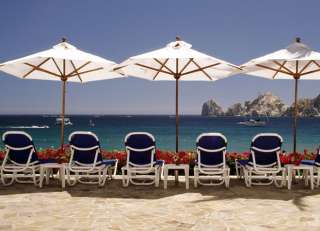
[(211, 108), (264, 104), (235, 110), (306, 107)]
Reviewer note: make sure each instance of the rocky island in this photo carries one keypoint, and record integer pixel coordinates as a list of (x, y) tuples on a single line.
[(265, 104)]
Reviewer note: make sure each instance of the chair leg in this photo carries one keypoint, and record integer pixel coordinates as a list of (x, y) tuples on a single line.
[(227, 177), (157, 176), (70, 182), (237, 169), (125, 177), (274, 176), (305, 176), (196, 177), (247, 177), (3, 176), (34, 177), (47, 173), (284, 174), (105, 175)]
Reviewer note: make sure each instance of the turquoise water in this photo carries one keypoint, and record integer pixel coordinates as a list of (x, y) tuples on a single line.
[(112, 130)]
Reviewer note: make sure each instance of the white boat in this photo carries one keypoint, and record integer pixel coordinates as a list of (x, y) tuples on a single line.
[(91, 123), (28, 127), (44, 126), (253, 123), (66, 121)]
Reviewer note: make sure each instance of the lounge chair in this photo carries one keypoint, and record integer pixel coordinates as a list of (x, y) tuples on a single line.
[(142, 168), (86, 164), (263, 164), (316, 164), (21, 161), (211, 162)]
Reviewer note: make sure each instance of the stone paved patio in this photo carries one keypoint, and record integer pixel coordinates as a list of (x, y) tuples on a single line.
[(87, 207)]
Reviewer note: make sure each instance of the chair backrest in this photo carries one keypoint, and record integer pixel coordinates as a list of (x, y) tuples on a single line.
[(84, 146), (19, 145), (140, 148), (211, 148), (265, 147), (317, 159)]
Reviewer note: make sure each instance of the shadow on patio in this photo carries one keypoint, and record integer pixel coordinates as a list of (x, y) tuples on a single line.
[(114, 189)]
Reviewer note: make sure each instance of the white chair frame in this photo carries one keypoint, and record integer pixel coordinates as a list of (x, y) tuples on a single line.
[(261, 172), (13, 170), (138, 174), (96, 170), (219, 172)]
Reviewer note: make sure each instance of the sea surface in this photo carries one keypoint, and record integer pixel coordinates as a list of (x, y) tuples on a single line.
[(111, 130)]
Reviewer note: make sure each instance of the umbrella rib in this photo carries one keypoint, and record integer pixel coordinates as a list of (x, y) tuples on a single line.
[(33, 69), (310, 72), (75, 69), (273, 69), (185, 66), (42, 70), (275, 74), (203, 71), (119, 67), (162, 65), (279, 64), (313, 71), (84, 72), (78, 69), (305, 67), (158, 61), (234, 66), (200, 69), (316, 63), (55, 63), (152, 68)]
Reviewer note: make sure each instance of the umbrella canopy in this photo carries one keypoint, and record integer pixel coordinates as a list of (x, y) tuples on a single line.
[(297, 61), (64, 62), (177, 61)]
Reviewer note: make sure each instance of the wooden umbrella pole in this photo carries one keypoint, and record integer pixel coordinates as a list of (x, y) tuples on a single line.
[(177, 76), (64, 80), (177, 115), (295, 114), (63, 111)]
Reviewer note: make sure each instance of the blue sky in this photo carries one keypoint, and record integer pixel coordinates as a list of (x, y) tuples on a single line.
[(232, 30)]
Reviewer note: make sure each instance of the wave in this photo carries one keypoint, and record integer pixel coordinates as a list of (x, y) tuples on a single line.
[(27, 127)]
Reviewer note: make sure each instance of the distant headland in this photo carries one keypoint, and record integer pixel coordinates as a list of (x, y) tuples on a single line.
[(265, 104)]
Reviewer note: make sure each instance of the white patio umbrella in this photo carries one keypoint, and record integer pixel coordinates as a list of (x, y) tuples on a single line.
[(297, 61), (177, 61), (64, 63)]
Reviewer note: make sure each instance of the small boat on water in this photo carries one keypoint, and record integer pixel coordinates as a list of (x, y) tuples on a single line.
[(66, 121), (28, 127), (253, 123), (91, 123)]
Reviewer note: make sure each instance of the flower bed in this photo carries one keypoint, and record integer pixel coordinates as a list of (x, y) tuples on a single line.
[(170, 157)]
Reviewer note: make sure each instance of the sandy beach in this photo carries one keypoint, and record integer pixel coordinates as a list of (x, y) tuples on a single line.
[(85, 207)]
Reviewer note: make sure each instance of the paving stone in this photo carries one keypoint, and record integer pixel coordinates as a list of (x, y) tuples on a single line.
[(87, 207)]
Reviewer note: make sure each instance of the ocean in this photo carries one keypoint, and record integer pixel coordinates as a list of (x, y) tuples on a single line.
[(111, 129)]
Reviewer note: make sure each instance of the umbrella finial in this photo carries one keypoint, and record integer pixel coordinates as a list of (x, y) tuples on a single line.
[(64, 39), (298, 40), (178, 38)]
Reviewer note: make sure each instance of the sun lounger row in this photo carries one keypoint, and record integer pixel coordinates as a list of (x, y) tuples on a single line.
[(86, 164)]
